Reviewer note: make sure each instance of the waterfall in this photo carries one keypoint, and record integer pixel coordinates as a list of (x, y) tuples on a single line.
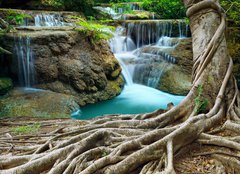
[(141, 49), (25, 59), (183, 29), (48, 20), (121, 43), (147, 64), (146, 32)]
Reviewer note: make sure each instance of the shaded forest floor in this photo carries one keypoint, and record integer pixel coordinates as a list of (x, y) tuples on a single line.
[(18, 133)]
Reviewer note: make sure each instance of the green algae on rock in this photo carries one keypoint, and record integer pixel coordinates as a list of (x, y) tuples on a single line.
[(37, 103)]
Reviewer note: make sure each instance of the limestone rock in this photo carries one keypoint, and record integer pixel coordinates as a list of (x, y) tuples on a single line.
[(174, 80), (67, 62)]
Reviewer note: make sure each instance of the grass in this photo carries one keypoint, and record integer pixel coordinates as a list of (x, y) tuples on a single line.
[(27, 129)]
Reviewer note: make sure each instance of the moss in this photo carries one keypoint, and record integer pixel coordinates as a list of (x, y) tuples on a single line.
[(139, 15), (116, 73), (5, 85), (116, 85), (210, 79), (42, 104)]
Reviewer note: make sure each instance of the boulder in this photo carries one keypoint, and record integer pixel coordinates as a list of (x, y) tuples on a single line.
[(67, 62), (5, 85), (175, 81), (37, 103)]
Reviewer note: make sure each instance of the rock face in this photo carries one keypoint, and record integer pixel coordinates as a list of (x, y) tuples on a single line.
[(29, 102), (67, 62), (5, 85)]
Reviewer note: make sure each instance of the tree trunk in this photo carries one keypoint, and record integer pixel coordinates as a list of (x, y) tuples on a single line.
[(120, 144)]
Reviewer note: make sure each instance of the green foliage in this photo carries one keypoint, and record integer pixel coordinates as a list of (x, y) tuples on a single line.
[(18, 18), (57, 4), (200, 104), (166, 9), (93, 30), (232, 9), (27, 129)]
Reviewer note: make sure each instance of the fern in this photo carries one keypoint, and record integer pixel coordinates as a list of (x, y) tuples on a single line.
[(94, 30), (200, 104)]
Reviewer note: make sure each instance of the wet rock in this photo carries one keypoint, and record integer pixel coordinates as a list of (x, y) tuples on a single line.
[(176, 81), (172, 65), (66, 62), (37, 103)]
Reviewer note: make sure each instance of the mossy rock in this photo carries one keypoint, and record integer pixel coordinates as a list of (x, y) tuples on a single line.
[(5, 85), (37, 103)]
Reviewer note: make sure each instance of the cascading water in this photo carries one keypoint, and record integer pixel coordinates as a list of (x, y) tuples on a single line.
[(141, 44), (48, 20), (118, 12), (146, 32), (25, 59), (142, 69)]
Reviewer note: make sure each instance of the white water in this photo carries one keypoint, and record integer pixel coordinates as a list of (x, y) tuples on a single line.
[(118, 12), (25, 59), (48, 20)]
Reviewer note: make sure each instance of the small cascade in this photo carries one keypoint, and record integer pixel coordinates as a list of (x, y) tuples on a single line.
[(120, 42), (143, 65), (128, 6), (108, 10), (48, 20), (149, 74), (166, 41), (146, 32), (183, 29), (119, 11), (25, 59)]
